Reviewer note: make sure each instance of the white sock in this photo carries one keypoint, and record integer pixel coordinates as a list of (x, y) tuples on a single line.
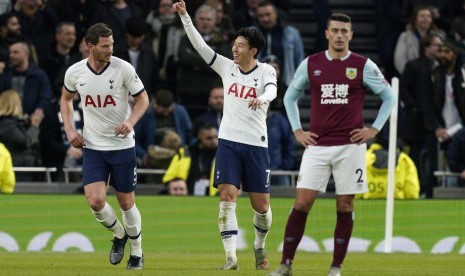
[(262, 223), (133, 225), (107, 217), (227, 222)]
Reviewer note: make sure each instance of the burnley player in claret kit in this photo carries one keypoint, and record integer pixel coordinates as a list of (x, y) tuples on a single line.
[(336, 142), (108, 138), (242, 155)]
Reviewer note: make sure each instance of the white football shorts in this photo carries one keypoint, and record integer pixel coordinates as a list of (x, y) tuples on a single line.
[(347, 163)]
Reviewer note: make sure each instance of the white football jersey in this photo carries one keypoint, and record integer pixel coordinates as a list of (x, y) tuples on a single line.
[(240, 123), (104, 98)]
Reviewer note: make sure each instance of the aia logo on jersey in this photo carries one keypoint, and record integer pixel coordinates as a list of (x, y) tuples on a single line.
[(99, 101), (242, 92)]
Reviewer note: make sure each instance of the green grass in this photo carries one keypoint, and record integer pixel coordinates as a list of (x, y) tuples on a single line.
[(203, 264), (180, 236)]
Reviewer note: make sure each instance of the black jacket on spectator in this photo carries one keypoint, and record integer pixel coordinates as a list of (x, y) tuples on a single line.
[(51, 138), (78, 12), (37, 89), (106, 13), (411, 125), (21, 140), (147, 67), (53, 63), (40, 29), (435, 98)]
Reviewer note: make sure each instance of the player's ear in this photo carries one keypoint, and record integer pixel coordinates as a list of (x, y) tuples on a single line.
[(254, 51)]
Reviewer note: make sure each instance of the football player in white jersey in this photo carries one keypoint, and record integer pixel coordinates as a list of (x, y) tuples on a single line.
[(242, 154), (104, 83)]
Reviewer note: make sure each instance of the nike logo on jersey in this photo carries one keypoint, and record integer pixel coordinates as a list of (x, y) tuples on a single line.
[(82, 84), (232, 75)]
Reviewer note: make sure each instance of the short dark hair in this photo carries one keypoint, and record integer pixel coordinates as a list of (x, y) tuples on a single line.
[(265, 3), (427, 40), (341, 17), (253, 36), (4, 18), (60, 25), (98, 30), (136, 26), (164, 98)]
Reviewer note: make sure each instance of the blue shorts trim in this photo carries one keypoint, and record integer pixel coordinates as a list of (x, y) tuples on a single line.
[(238, 163), (118, 165)]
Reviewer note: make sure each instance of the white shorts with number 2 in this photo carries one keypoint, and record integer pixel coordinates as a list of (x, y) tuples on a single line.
[(347, 163)]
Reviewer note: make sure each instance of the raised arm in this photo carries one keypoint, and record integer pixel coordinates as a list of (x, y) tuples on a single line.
[(194, 36)]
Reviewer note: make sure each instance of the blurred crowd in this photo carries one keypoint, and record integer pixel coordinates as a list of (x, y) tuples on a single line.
[(421, 42), (40, 39)]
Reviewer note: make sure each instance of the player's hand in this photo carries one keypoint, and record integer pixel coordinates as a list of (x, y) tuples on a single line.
[(124, 129), (75, 139), (180, 7), (361, 135), (305, 138), (254, 104)]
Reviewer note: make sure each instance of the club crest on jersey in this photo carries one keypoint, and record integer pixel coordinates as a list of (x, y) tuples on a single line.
[(111, 83), (351, 73)]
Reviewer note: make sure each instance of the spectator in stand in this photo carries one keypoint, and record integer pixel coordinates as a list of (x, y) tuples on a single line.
[(140, 54), (78, 12), (281, 144), (196, 165), (245, 16), (59, 55), (166, 35), (114, 13), (193, 93), (282, 40), (10, 31), (407, 47), (412, 88), (456, 155), (444, 103), (164, 115), (20, 137), (223, 24), (443, 11), (38, 21), (56, 150), (276, 63), (177, 187), (214, 112), (7, 174), (30, 81)]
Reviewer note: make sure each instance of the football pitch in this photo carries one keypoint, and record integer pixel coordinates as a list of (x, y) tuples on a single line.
[(57, 235), (206, 263)]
